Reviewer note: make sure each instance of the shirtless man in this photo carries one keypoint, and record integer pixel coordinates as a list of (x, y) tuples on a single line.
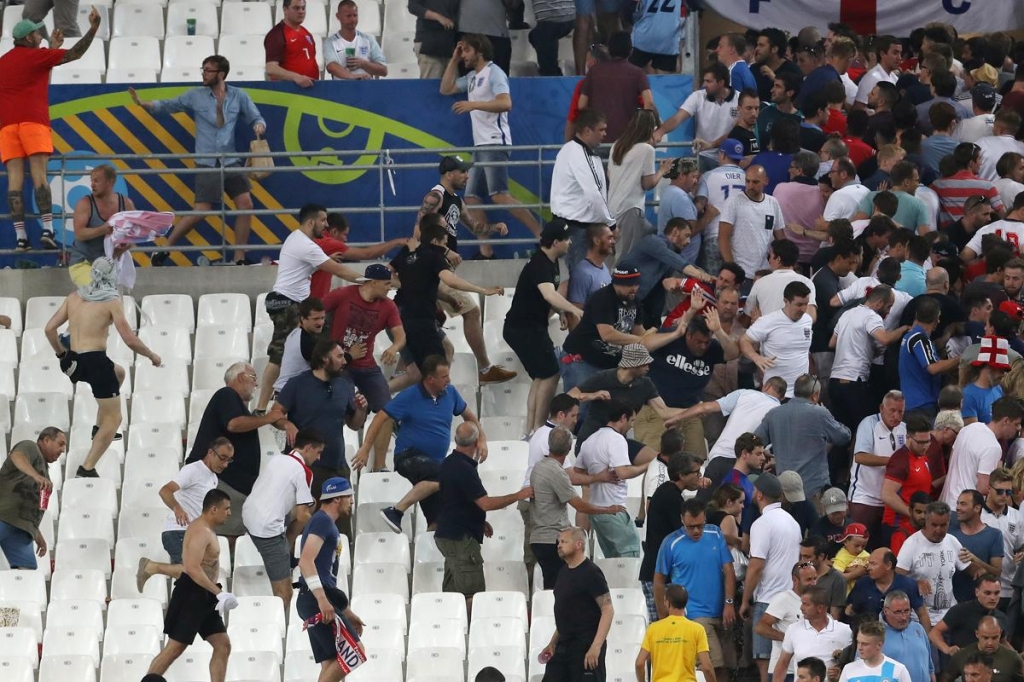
[(90, 311), (318, 587), (198, 603)]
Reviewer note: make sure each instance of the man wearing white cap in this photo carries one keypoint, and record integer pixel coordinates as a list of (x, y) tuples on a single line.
[(25, 132), (319, 594)]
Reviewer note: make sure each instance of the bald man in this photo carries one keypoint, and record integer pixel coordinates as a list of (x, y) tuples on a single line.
[(936, 282), (1008, 666), (749, 222)]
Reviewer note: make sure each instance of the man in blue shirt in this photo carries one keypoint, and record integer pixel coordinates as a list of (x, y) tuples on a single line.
[(869, 592), (216, 108), (677, 202), (730, 49), (697, 557), (657, 256), (905, 640), (920, 368), (424, 414)]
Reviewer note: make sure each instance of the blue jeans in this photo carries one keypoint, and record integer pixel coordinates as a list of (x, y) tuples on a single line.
[(16, 545), (574, 373)]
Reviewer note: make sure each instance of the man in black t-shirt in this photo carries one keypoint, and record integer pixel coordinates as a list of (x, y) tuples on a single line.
[(227, 414), (583, 615), (526, 324), (682, 370), (420, 272), (746, 120), (611, 320)]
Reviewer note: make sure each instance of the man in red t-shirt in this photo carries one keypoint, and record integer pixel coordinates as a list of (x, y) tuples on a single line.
[(335, 241), (291, 49), (25, 118), (731, 276), (361, 312), (916, 467)]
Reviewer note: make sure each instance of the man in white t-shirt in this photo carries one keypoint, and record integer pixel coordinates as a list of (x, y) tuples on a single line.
[(817, 635), (350, 54), (1001, 141), (713, 108), (766, 295), (716, 186), (780, 343), (847, 194), (878, 436), (784, 610), (871, 663), (279, 506), (931, 555), (977, 450), (300, 258), (749, 222), (1009, 229), (184, 497), (607, 449), (889, 51), (860, 336), (745, 409), (774, 549)]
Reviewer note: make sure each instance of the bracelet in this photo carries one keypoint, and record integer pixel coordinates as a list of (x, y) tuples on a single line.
[(313, 583)]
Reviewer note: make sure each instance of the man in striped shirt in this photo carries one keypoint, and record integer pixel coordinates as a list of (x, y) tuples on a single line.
[(954, 190)]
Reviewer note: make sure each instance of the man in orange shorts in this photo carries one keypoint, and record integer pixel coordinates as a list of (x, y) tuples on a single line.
[(25, 118)]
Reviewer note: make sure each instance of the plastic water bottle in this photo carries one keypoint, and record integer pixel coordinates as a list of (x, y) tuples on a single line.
[(190, 26)]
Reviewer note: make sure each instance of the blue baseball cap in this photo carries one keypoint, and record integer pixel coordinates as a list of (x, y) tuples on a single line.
[(376, 272), (336, 487), (732, 148)]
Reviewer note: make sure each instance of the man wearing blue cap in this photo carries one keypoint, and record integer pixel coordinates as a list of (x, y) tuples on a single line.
[(318, 584), (25, 132)]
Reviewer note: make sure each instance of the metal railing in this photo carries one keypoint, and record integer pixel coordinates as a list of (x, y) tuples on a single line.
[(384, 166)]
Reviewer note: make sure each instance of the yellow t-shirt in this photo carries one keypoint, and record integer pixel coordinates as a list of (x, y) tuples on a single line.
[(844, 559), (673, 644)]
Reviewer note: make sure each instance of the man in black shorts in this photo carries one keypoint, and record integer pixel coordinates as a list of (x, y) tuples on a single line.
[(198, 603), (318, 586), (421, 272), (526, 324), (89, 313)]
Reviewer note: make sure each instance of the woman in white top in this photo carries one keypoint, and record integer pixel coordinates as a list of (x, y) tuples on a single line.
[(631, 173)]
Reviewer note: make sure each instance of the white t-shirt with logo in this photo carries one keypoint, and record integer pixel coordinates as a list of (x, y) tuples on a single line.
[(299, 259), (860, 670), (1011, 524), (194, 481), (605, 449), (484, 85), (975, 450), (935, 562), (855, 345), (280, 487), (787, 341), (753, 228), (874, 438), (711, 119)]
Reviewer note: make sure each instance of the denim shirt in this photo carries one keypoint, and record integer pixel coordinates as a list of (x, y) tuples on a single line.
[(202, 104)]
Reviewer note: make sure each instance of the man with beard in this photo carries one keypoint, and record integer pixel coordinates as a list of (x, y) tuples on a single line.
[(216, 108), (591, 273), (746, 120), (771, 64), (324, 400), (443, 201)]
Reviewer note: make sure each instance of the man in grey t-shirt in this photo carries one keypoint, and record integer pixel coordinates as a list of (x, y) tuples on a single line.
[(551, 492), (25, 488)]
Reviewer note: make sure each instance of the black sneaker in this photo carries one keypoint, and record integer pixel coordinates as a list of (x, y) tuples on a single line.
[(47, 241), (96, 429), (245, 261), (518, 26), (159, 258), (393, 518), (86, 473), (23, 245)]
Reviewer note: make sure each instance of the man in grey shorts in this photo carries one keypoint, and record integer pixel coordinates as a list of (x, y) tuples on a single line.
[(216, 108), (279, 506)]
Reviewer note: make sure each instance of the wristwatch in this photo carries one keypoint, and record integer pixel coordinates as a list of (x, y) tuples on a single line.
[(728, 601)]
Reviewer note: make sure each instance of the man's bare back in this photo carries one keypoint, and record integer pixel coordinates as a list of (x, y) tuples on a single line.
[(89, 322)]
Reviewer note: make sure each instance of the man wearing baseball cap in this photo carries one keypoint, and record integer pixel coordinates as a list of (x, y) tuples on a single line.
[(716, 186), (611, 320), (983, 102), (526, 324), (361, 312), (318, 587), (25, 132)]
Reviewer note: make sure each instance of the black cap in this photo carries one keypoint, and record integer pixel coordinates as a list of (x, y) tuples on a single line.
[(554, 231), (626, 274), (450, 163)]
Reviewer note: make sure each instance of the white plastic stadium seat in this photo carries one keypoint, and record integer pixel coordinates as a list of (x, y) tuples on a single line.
[(39, 309), (300, 666), (8, 346), (429, 668), (205, 15), (497, 632), (629, 602), (191, 666), (380, 579), (509, 660), (221, 340), (70, 613), (438, 607), (23, 586), (398, 46), (76, 523), (427, 577), (125, 612), (17, 668), (620, 573), (10, 306), (245, 18), (253, 666), (142, 523), (171, 376), (402, 70), (94, 58), (79, 584), (169, 310), (262, 610), (18, 642), (628, 630), (170, 343), (181, 51), (30, 615), (66, 76), (501, 605), (397, 18), (43, 408), (377, 669), (242, 51), (208, 373), (150, 406), (72, 641), (67, 668), (138, 19), (437, 638), (506, 576), (94, 493), (123, 586), (124, 667), (380, 608), (88, 553), (504, 400), (131, 76), (248, 636), (134, 51), (383, 548), (225, 309), (376, 491), (103, 33)]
